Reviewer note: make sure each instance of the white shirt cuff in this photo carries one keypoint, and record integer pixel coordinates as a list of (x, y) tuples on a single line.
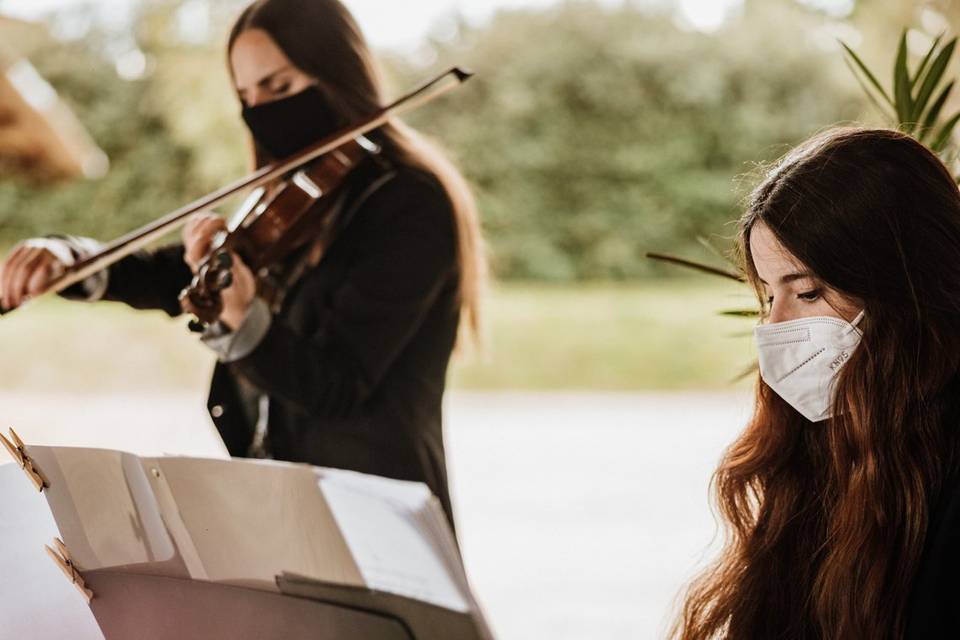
[(235, 345), (70, 249)]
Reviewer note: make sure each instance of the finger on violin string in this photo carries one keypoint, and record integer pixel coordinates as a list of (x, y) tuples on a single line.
[(208, 223), (199, 227), (196, 250), (196, 219), (200, 238)]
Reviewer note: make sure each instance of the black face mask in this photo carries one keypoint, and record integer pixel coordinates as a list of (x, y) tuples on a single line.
[(288, 125)]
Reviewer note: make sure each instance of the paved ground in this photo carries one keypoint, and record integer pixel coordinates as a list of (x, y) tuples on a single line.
[(580, 515)]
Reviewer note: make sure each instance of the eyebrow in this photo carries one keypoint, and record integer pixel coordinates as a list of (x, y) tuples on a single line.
[(790, 277), (269, 76)]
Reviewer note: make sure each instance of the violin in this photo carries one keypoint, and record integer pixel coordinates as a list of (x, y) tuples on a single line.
[(273, 222), (289, 206)]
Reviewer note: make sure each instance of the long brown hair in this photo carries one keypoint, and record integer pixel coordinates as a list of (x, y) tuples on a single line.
[(826, 522), (322, 39)]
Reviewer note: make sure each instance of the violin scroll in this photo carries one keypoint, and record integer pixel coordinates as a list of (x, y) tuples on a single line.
[(202, 297)]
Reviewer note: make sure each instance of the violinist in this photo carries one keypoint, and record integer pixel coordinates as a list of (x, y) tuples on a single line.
[(346, 366)]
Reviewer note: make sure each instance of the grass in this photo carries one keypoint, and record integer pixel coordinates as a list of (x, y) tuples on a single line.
[(662, 335)]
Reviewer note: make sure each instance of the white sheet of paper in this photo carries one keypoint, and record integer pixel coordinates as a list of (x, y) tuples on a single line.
[(36, 600), (246, 521), (382, 522)]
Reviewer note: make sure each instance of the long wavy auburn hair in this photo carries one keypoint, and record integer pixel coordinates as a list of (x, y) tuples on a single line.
[(322, 39), (826, 522)]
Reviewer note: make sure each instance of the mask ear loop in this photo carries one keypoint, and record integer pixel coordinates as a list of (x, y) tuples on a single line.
[(854, 324)]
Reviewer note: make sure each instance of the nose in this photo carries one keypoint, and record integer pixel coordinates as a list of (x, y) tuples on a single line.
[(256, 96), (778, 313)]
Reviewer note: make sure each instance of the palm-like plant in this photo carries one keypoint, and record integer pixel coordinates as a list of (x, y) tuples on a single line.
[(914, 106), (918, 97)]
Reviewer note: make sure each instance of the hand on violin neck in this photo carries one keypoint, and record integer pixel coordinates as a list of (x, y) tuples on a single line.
[(238, 296), (199, 235)]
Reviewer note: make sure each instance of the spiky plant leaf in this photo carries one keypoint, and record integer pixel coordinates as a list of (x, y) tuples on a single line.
[(932, 79), (696, 266), (934, 112), (712, 248), (926, 60), (943, 138), (903, 103), (851, 55), (884, 111)]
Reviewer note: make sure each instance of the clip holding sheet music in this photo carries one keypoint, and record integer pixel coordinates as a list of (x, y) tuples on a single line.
[(62, 558), (18, 450)]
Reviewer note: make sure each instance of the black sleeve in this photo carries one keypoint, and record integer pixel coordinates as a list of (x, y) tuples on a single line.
[(406, 256), (150, 279)]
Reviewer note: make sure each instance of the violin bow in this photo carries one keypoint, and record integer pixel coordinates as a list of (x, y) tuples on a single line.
[(137, 239)]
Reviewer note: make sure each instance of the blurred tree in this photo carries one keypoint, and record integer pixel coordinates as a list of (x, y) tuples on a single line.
[(592, 134), (150, 172), (167, 122), (595, 134)]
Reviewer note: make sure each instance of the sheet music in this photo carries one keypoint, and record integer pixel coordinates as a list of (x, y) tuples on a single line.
[(244, 522), (383, 523)]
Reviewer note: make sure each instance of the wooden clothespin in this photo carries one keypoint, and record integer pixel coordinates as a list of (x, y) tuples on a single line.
[(18, 450), (63, 560)]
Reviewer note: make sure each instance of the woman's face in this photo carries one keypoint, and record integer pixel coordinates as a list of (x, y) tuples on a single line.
[(792, 291), (261, 70)]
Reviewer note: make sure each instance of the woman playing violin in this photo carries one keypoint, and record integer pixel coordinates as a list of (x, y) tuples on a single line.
[(347, 367)]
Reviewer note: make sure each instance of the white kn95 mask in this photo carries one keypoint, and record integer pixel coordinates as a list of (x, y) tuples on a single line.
[(800, 359)]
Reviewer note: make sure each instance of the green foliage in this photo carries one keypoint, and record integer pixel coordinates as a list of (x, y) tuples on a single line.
[(150, 172), (593, 135), (915, 113)]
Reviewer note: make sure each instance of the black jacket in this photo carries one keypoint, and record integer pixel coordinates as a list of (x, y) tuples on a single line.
[(355, 362)]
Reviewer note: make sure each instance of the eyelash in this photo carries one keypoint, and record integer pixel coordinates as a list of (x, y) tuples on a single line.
[(808, 296)]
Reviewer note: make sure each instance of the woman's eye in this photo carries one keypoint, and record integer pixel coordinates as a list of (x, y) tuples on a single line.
[(281, 88), (810, 296)]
